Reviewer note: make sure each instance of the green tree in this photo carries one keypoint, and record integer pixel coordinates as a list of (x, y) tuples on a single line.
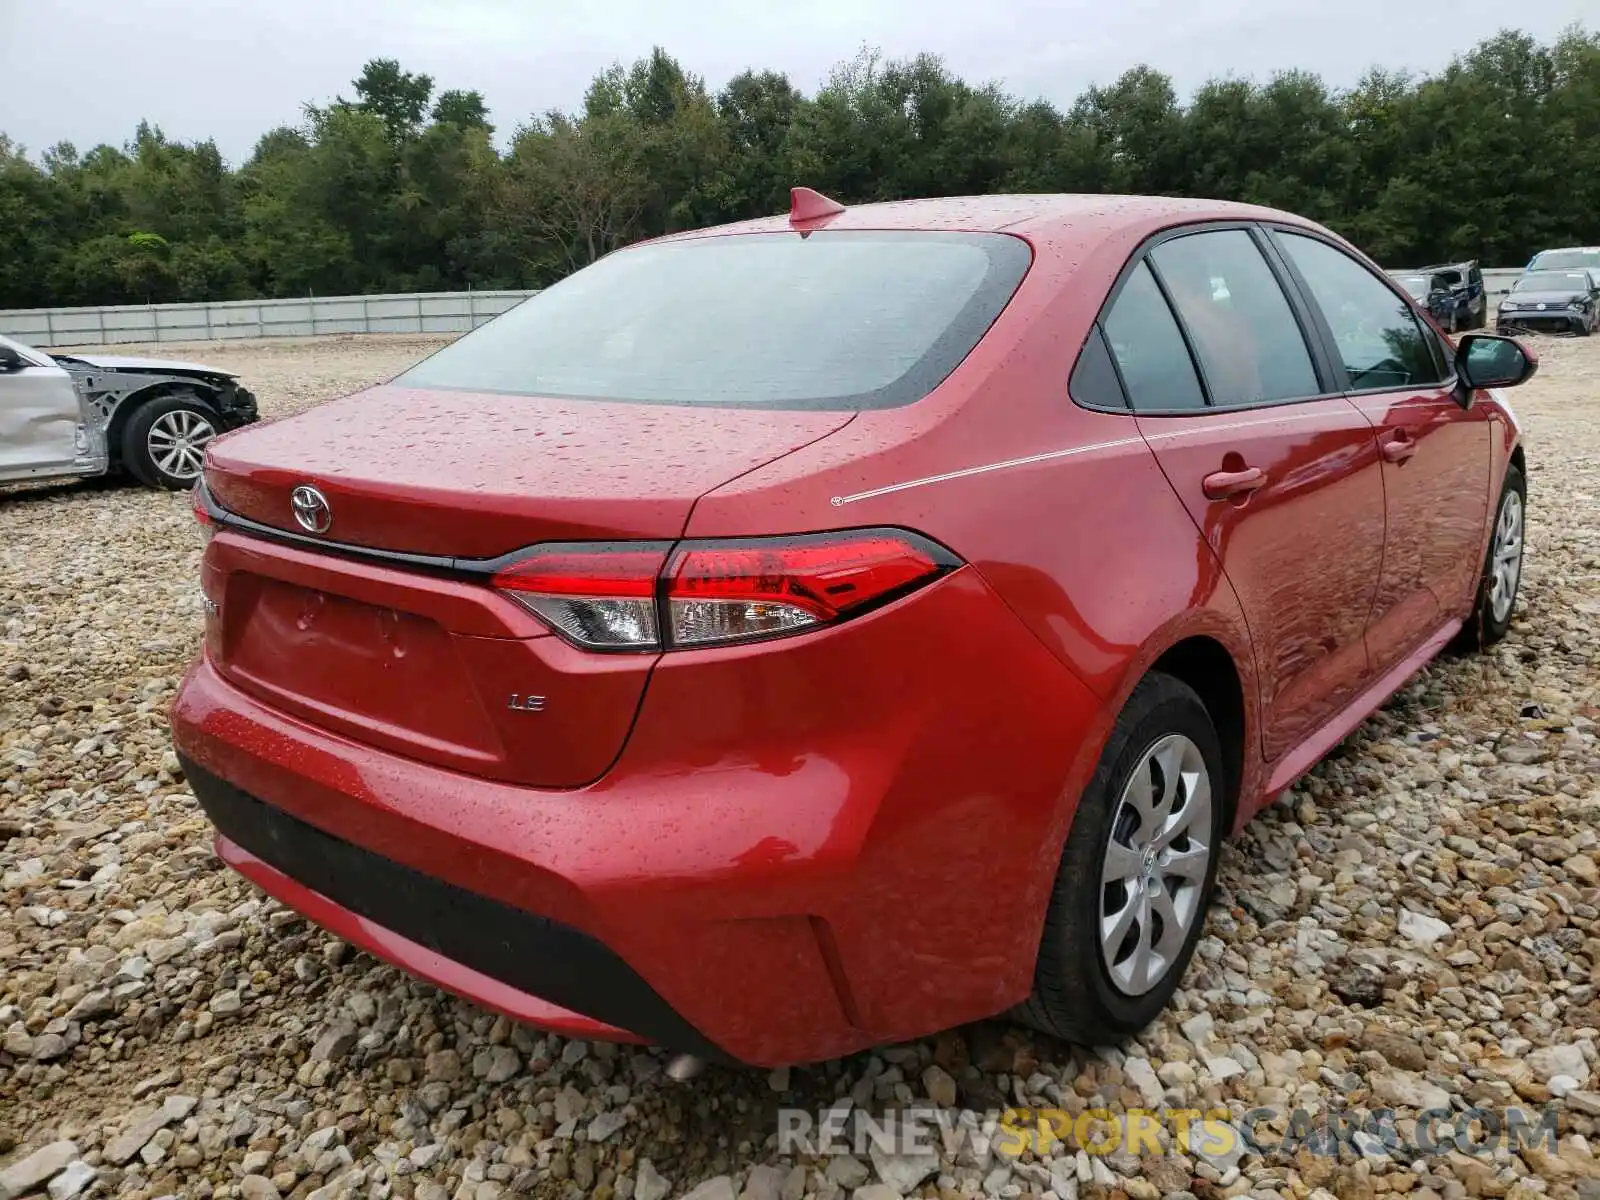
[(396, 97), (1493, 157), (464, 109)]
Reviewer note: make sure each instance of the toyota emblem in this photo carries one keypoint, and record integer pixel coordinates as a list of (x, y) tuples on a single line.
[(310, 508)]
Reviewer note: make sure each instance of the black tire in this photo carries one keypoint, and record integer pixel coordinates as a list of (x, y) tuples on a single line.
[(1483, 627), (1074, 996), (137, 455), (1582, 328)]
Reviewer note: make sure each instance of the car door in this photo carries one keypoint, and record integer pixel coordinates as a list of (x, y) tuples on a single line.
[(1437, 456), (40, 415), (1278, 471)]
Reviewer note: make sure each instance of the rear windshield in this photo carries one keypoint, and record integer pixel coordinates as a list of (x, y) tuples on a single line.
[(840, 319)]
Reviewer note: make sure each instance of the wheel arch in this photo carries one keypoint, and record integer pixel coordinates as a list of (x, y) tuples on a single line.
[(1206, 665), (131, 402)]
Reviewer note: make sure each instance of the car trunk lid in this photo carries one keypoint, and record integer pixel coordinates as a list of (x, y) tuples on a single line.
[(433, 663), (471, 475)]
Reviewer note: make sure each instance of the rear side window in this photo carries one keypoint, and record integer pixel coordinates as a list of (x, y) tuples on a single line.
[(1250, 345), (1149, 349), (1377, 336), (830, 320), (1094, 380)]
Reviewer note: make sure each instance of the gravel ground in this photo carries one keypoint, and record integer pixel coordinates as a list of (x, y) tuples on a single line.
[(1415, 925)]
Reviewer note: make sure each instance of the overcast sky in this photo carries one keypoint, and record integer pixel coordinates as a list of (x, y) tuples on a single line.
[(86, 71)]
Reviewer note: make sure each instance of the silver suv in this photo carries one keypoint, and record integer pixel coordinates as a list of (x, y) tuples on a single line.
[(65, 415)]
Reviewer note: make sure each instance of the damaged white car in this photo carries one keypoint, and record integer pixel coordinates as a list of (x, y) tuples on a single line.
[(66, 414)]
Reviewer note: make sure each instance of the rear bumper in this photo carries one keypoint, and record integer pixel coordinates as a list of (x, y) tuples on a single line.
[(527, 966), (802, 851)]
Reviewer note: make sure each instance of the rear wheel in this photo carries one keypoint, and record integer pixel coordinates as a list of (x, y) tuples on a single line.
[(164, 441), (1137, 872), (1502, 569)]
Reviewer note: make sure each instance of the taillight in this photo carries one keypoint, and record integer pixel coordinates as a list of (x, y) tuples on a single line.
[(207, 523), (599, 596), (627, 596)]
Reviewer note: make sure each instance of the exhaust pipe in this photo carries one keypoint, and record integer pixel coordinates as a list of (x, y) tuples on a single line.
[(685, 1067)]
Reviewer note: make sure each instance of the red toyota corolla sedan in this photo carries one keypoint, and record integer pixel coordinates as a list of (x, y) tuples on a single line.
[(816, 632)]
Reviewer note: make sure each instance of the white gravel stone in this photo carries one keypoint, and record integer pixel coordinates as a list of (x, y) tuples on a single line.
[(77, 1176), (605, 1124), (28, 1172), (1421, 928), (258, 1187), (719, 1187), (1407, 1090), (903, 1172), (1143, 1076), (764, 1183), (651, 1184), (846, 1170)]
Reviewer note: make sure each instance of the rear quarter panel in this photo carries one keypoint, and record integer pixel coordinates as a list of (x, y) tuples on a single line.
[(1064, 511)]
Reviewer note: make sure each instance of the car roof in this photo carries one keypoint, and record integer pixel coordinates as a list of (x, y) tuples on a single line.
[(1569, 249), (1054, 217)]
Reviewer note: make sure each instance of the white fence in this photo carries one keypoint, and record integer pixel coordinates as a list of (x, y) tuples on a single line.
[(418, 312), (421, 312)]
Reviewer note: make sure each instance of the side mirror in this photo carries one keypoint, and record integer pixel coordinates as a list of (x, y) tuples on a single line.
[(10, 360), (1485, 360)]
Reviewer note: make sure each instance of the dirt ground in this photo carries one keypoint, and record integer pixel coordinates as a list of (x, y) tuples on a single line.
[(1416, 925)]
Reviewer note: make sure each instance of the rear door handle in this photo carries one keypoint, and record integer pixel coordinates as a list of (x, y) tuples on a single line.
[(1399, 447), (1220, 485)]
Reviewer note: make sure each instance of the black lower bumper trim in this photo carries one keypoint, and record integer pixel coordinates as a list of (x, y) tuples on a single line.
[(533, 954)]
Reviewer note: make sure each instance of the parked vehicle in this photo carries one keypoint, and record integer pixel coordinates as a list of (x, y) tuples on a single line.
[(1433, 292), (785, 638), (1566, 258), (65, 415), (1566, 301), (1455, 295)]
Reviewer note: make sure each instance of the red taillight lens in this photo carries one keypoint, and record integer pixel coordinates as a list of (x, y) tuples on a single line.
[(741, 590), (601, 597), (717, 592), (207, 523)]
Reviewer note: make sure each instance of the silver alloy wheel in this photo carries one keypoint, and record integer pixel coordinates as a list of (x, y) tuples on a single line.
[(1155, 866), (1505, 558), (177, 442)]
